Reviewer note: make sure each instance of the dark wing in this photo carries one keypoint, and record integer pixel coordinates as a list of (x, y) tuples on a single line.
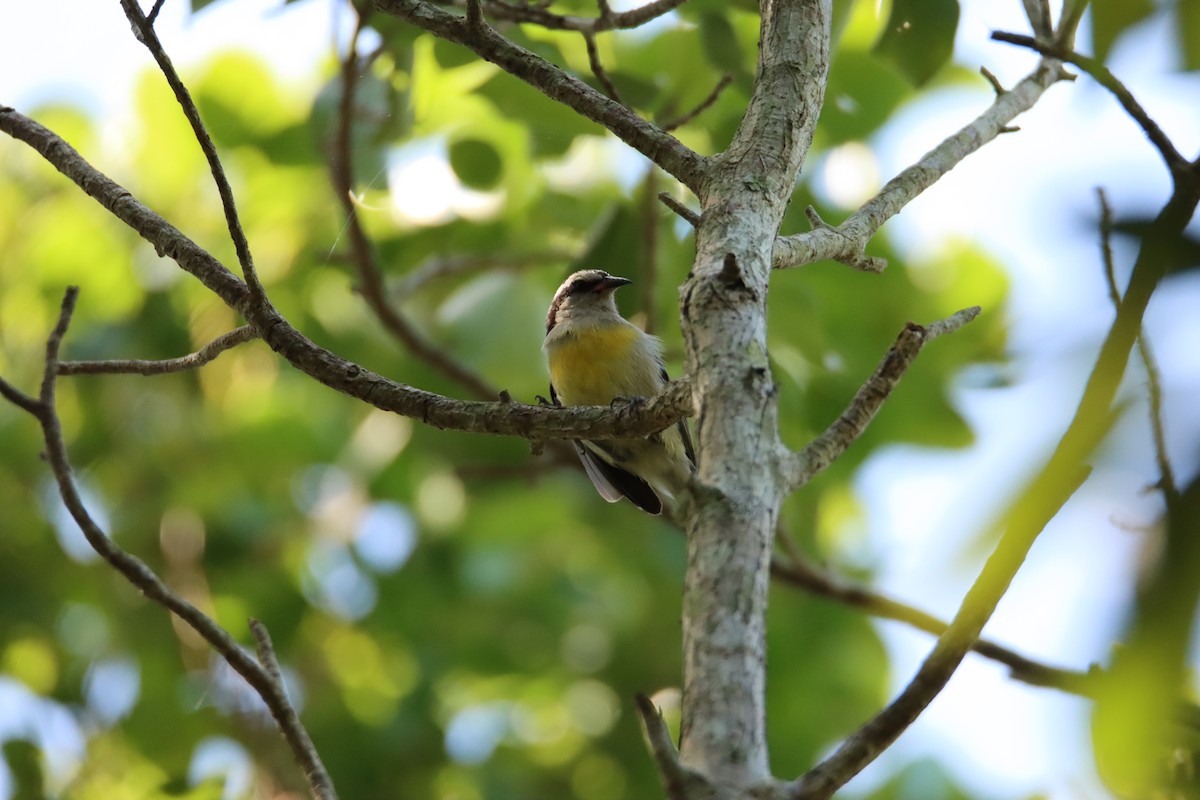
[(682, 427), (611, 481)]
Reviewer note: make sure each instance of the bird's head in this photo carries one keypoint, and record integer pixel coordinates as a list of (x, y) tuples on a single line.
[(585, 294)]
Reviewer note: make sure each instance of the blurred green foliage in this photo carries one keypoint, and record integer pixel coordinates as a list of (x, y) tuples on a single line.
[(458, 619)]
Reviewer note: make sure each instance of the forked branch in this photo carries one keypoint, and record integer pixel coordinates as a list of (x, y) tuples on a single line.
[(264, 679), (847, 241), (510, 419), (822, 451), (657, 145)]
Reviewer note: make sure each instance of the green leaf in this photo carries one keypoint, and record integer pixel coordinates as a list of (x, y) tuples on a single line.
[(199, 4), (1111, 18), (1187, 23), (919, 37), (721, 44), (476, 163), (861, 95)]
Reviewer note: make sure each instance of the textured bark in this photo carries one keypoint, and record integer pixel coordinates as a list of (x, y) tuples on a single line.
[(724, 321)]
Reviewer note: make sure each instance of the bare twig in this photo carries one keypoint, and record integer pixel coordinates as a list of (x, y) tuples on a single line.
[(1038, 12), (310, 760), (153, 15), (798, 571), (649, 278), (659, 146), (991, 78), (1153, 379), (353, 380), (865, 744), (528, 12), (150, 39), (598, 70), (205, 354), (370, 276), (1044, 496), (18, 398), (475, 15), (701, 107), (689, 216), (847, 242), (680, 783), (1175, 162), (822, 451), (439, 267), (147, 582)]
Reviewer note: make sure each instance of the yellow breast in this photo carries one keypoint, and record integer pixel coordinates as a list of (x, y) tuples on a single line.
[(593, 366)]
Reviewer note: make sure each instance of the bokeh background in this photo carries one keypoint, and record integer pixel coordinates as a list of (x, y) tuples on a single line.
[(459, 619)]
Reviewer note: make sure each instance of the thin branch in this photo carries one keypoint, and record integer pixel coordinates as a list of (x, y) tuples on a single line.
[(474, 15), (1153, 379), (153, 15), (353, 380), (370, 276), (680, 783), (865, 744), (293, 729), (205, 354), (701, 107), (991, 78), (149, 584), (1038, 12), (598, 70), (440, 267), (516, 12), (823, 450), (659, 146), (648, 285), (689, 216), (798, 571), (149, 38), (18, 398), (1175, 162), (1044, 496), (847, 242)]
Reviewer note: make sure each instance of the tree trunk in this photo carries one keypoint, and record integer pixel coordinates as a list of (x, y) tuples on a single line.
[(732, 524)]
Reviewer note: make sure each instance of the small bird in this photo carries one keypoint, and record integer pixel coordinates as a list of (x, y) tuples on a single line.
[(596, 356)]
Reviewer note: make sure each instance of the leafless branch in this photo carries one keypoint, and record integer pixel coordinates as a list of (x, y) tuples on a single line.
[(1046, 493), (847, 242), (865, 744), (598, 70), (1038, 12), (353, 380), (205, 354), (679, 782), (147, 582), (528, 12), (691, 217), (997, 86), (153, 15), (149, 38), (701, 107), (823, 450), (648, 284), (1175, 162), (798, 571), (370, 276), (439, 267), (652, 142), (1153, 379)]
